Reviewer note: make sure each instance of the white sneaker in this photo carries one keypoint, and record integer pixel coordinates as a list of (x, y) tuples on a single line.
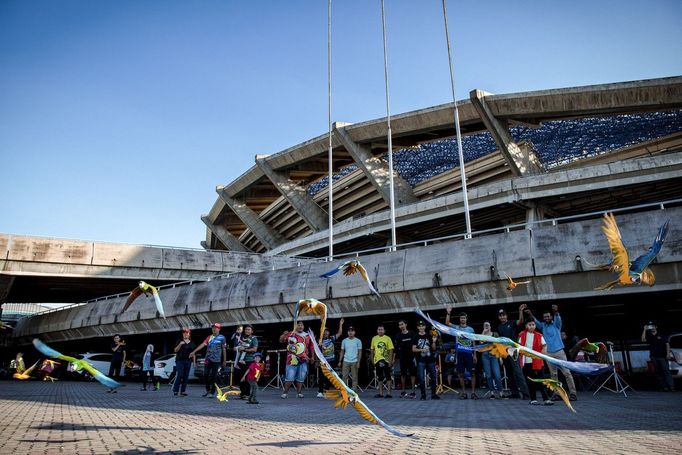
[(534, 402), (320, 395), (300, 395), (283, 396)]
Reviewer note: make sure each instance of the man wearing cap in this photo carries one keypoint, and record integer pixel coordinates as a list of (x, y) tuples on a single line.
[(424, 348), (183, 348), (466, 360), (511, 329), (216, 356), (349, 360)]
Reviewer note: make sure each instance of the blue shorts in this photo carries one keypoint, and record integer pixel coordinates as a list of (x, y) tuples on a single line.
[(296, 372), (465, 361)]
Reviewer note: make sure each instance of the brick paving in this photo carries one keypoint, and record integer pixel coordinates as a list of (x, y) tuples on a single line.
[(79, 417)]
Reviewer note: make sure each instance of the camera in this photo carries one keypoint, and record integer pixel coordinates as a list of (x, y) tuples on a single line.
[(649, 327)]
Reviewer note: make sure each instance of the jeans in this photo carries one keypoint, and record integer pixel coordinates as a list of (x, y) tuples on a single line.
[(422, 367), (182, 375), (245, 388), (254, 390), (115, 369), (147, 374), (491, 366), (553, 370), (534, 386), (210, 374), (665, 379), (353, 368), (517, 383)]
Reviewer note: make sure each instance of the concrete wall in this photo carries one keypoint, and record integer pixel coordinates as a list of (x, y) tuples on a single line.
[(455, 272), (35, 255)]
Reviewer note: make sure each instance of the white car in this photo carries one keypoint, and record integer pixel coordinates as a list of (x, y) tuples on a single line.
[(100, 360), (164, 367)]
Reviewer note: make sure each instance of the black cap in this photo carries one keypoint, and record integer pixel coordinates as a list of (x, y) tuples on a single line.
[(501, 311), (421, 323), (350, 327)]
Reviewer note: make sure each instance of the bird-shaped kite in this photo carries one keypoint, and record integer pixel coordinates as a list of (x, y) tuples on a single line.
[(26, 374), (585, 345), (344, 395), (79, 364), (222, 396), (555, 386), (350, 268), (630, 272), (579, 367), (511, 284), (147, 289), (312, 306)]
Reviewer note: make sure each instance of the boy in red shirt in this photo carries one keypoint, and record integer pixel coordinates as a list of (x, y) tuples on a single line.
[(252, 375)]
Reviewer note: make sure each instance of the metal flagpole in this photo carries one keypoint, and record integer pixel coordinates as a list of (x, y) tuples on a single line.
[(329, 92), (390, 138), (462, 174)]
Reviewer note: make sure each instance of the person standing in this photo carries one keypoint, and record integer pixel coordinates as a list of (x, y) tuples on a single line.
[(382, 358), (466, 360), (148, 369), (299, 354), (216, 356), (349, 360), (425, 349), (532, 367), (511, 329), (183, 362), (235, 340), (118, 358), (404, 341), (491, 366), (327, 348), (252, 375), (248, 345), (550, 326), (659, 351)]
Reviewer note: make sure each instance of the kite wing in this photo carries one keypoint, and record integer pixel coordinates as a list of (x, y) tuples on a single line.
[(578, 367), (643, 261), (78, 363), (312, 306), (620, 254), (555, 386), (333, 272), (135, 293), (363, 273), (351, 268), (28, 371), (345, 395), (159, 304)]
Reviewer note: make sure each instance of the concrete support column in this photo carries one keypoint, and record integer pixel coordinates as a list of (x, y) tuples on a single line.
[(296, 195), (534, 213), (264, 233), (376, 170), (521, 158), (6, 282), (229, 240)]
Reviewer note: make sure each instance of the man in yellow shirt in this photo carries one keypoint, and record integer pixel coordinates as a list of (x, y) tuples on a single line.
[(382, 357)]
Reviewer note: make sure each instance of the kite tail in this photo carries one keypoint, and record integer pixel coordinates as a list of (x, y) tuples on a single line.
[(159, 305)]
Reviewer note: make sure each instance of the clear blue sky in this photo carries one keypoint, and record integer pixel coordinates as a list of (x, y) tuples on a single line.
[(118, 119)]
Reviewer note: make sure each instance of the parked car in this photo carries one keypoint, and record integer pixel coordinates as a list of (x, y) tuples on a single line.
[(638, 360), (164, 367), (101, 361)]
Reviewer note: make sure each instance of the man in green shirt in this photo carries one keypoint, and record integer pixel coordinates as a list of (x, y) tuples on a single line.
[(382, 357)]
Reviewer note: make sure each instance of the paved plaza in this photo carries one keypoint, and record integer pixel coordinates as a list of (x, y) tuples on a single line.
[(80, 417)]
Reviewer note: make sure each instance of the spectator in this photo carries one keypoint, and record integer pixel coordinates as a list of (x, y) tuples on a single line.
[(248, 345), (465, 354), (382, 358), (550, 326), (424, 346), (235, 340), (450, 365), (183, 363), (252, 375), (404, 341), (532, 368), (117, 359), (491, 366), (216, 356), (299, 354), (510, 329), (327, 348), (659, 351), (351, 355), (148, 369)]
